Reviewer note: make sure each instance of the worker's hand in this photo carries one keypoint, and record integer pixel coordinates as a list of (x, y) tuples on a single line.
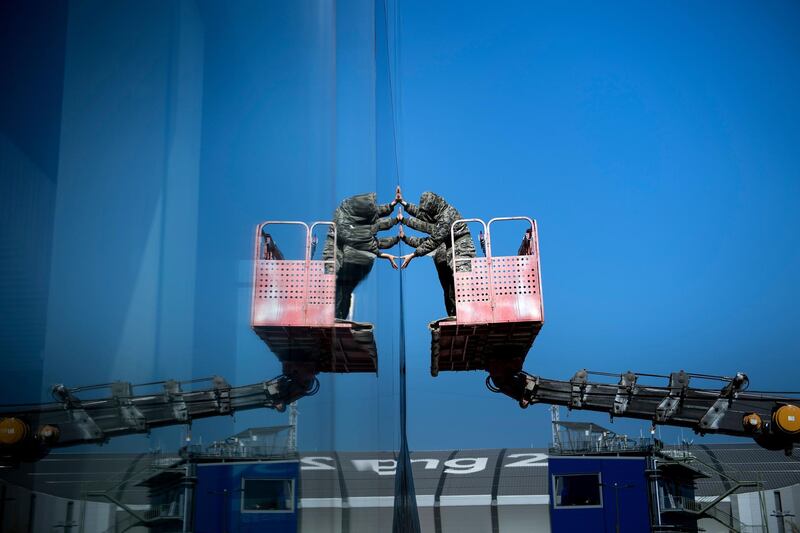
[(390, 258), (406, 260), (401, 233), (400, 217), (398, 197)]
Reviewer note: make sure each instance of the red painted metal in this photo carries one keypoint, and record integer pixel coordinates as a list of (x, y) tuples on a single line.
[(499, 307), (293, 311), (502, 288), (292, 292)]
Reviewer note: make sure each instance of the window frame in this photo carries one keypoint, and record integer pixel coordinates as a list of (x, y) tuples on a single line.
[(291, 509), (574, 474)]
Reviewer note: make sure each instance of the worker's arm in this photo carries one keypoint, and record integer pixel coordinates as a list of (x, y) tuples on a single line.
[(384, 224), (374, 247), (418, 224), (412, 241), (440, 234), (429, 244), (386, 209), (387, 242), (389, 258), (409, 239), (411, 209)]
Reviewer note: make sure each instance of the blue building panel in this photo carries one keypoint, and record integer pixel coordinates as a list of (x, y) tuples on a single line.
[(598, 494), (247, 497)]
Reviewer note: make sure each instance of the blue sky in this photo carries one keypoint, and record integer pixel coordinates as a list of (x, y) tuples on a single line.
[(656, 145)]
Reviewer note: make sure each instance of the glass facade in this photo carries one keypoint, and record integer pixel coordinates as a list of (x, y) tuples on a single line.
[(141, 145), (145, 143)]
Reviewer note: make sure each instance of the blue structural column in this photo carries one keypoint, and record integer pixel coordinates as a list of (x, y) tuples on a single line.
[(406, 517)]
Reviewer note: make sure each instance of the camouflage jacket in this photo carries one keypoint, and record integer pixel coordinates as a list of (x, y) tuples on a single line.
[(441, 215), (357, 223), (419, 221)]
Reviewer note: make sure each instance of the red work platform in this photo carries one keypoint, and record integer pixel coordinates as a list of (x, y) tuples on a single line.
[(499, 309), (292, 310)]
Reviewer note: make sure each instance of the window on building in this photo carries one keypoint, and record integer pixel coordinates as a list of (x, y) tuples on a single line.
[(577, 490), (779, 514), (267, 495)]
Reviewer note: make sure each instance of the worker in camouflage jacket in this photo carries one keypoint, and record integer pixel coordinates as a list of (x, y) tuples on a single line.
[(420, 223), (435, 216), (358, 220)]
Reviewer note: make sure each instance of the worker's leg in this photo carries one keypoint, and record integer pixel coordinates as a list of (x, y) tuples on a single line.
[(450, 296), (448, 287), (465, 248), (344, 288), (347, 279)]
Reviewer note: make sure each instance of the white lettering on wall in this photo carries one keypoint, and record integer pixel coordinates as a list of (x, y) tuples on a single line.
[(430, 464), (465, 465), (462, 465), (314, 463), (535, 459), (382, 467)]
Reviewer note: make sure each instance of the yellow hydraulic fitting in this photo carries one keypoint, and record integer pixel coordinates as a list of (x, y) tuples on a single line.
[(787, 418), (48, 434), (12, 430), (752, 422)]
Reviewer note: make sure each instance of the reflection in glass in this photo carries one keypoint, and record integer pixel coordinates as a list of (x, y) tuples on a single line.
[(265, 495)]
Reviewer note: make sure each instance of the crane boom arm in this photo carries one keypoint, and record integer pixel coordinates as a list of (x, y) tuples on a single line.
[(71, 420), (730, 410)]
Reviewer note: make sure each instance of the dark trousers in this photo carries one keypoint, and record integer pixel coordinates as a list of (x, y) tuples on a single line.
[(347, 279), (448, 284)]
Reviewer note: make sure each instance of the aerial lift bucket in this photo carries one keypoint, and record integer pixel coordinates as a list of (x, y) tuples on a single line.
[(293, 310), (499, 308)]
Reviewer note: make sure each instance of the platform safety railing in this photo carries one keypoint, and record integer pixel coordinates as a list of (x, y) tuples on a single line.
[(293, 292), (498, 288)]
